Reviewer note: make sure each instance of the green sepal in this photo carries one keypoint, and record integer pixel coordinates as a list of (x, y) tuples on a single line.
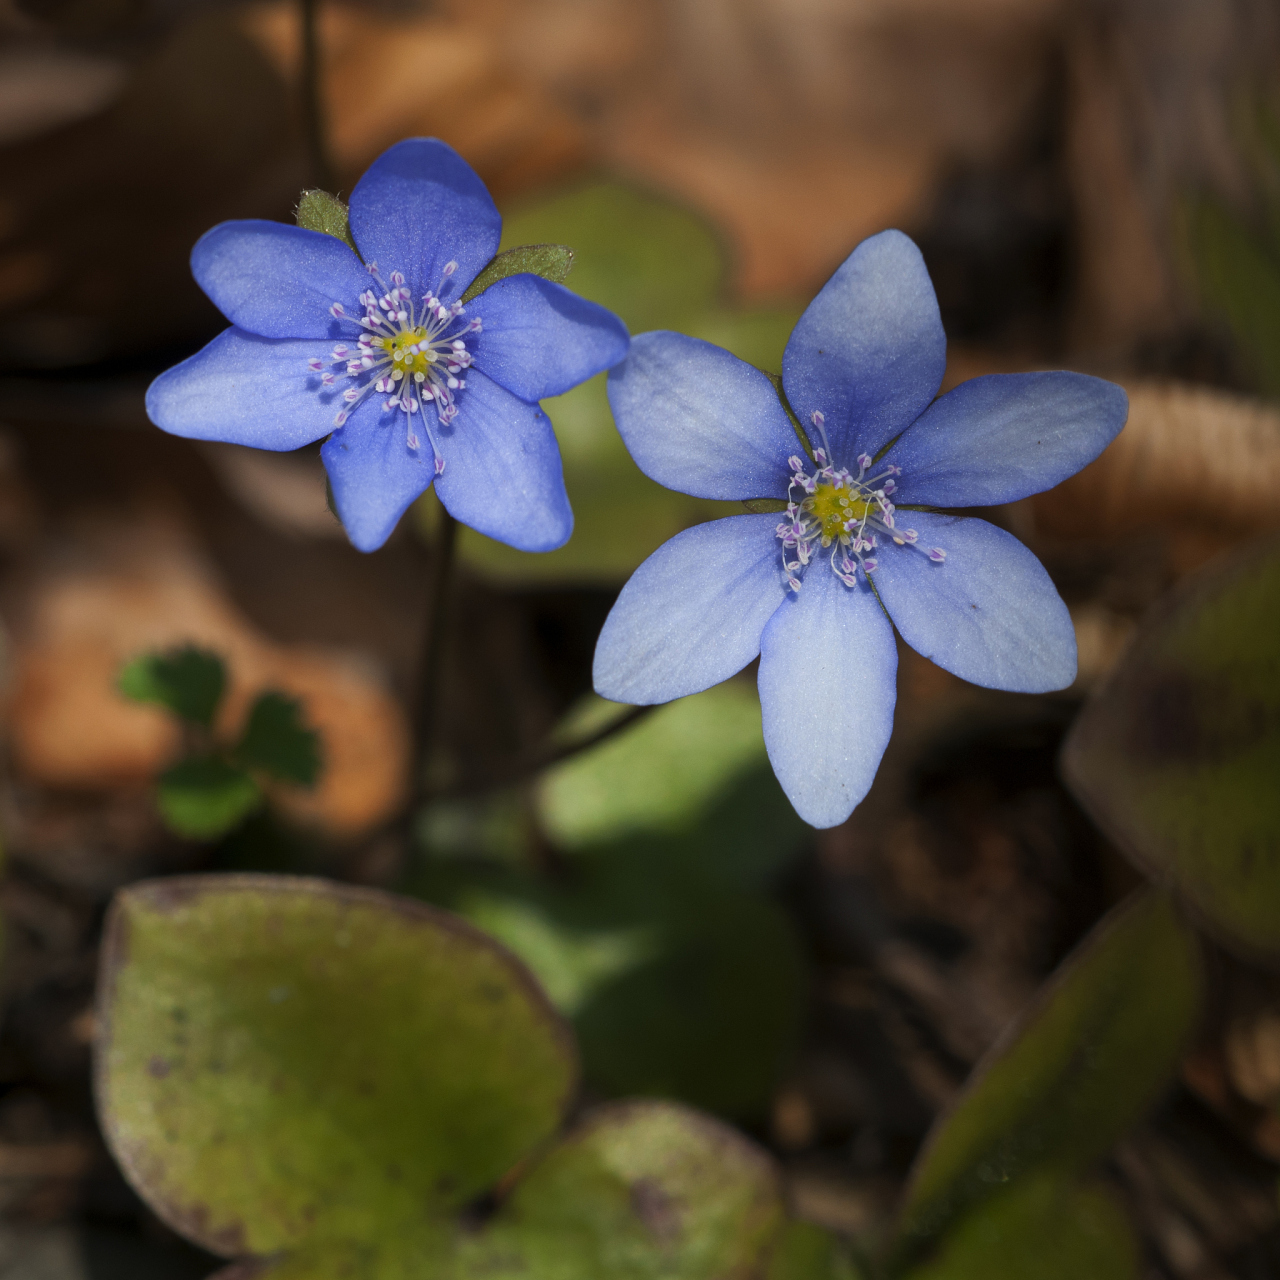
[(319, 211), (796, 426), (188, 681), (276, 741), (764, 506), (203, 797), (550, 261)]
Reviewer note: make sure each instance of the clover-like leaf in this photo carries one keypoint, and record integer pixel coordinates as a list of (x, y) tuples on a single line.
[(550, 261), (319, 211), (640, 1191), (293, 1067), (1177, 753), (1043, 1226), (189, 681), (1090, 1056), (276, 741), (203, 797)]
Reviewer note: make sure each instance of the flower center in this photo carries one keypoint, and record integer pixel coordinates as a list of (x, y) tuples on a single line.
[(832, 508), (414, 350)]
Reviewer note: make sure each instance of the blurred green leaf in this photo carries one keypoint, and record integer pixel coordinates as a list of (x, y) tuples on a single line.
[(203, 797), (188, 681), (319, 211), (551, 261), (1177, 753), (1040, 1228), (276, 741), (289, 1064), (658, 776), (805, 1251), (1094, 1052), (640, 1191)]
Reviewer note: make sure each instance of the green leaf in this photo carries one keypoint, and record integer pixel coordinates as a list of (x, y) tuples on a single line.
[(188, 681), (319, 211), (1177, 754), (289, 1064), (1089, 1058), (1040, 1228), (640, 1191), (805, 1251), (276, 741), (203, 797), (550, 261)]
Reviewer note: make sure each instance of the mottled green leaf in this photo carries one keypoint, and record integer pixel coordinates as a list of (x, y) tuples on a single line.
[(659, 775), (550, 261), (1091, 1055), (289, 1064), (276, 741), (319, 211), (1177, 754), (640, 1191), (188, 681), (805, 1251), (1039, 1228), (203, 797)]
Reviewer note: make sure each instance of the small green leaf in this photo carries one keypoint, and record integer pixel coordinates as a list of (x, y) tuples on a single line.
[(640, 1191), (203, 797), (1041, 1228), (319, 211), (1094, 1052), (276, 741), (805, 1251), (1177, 753), (293, 1065), (188, 681), (550, 261)]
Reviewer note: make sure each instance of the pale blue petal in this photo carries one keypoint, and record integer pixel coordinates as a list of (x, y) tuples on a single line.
[(373, 472), (828, 664), (246, 390), (502, 472), (419, 206), (869, 351), (697, 419), (692, 614), (988, 613), (276, 280), (539, 339), (1003, 437)]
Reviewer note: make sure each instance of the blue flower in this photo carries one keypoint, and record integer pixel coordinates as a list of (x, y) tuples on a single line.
[(414, 388), (861, 542)]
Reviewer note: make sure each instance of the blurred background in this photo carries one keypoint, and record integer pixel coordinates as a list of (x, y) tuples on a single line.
[(1095, 184)]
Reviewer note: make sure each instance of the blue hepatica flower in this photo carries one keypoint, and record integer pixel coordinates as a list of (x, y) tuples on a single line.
[(860, 548), (413, 387)]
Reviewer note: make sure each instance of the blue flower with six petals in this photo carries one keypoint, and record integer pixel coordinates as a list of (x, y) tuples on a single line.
[(414, 388), (861, 547)]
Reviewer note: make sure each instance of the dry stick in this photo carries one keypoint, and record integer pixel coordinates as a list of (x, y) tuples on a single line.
[(313, 113)]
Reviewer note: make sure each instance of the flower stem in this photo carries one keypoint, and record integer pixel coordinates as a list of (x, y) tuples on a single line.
[(427, 711), (313, 114)]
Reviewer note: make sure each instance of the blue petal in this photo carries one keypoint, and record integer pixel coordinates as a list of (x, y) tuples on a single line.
[(1002, 437), (988, 613), (246, 390), (828, 663), (539, 339), (276, 280), (700, 420), (692, 614), (869, 352), (502, 472), (373, 472), (419, 206)]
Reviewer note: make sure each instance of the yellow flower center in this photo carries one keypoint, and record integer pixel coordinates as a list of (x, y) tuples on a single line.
[(405, 360), (834, 506)]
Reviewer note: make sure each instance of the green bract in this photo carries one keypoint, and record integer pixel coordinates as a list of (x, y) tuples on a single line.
[(1177, 754)]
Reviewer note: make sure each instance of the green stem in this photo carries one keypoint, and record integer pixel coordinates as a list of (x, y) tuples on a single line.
[(427, 711), (313, 115)]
